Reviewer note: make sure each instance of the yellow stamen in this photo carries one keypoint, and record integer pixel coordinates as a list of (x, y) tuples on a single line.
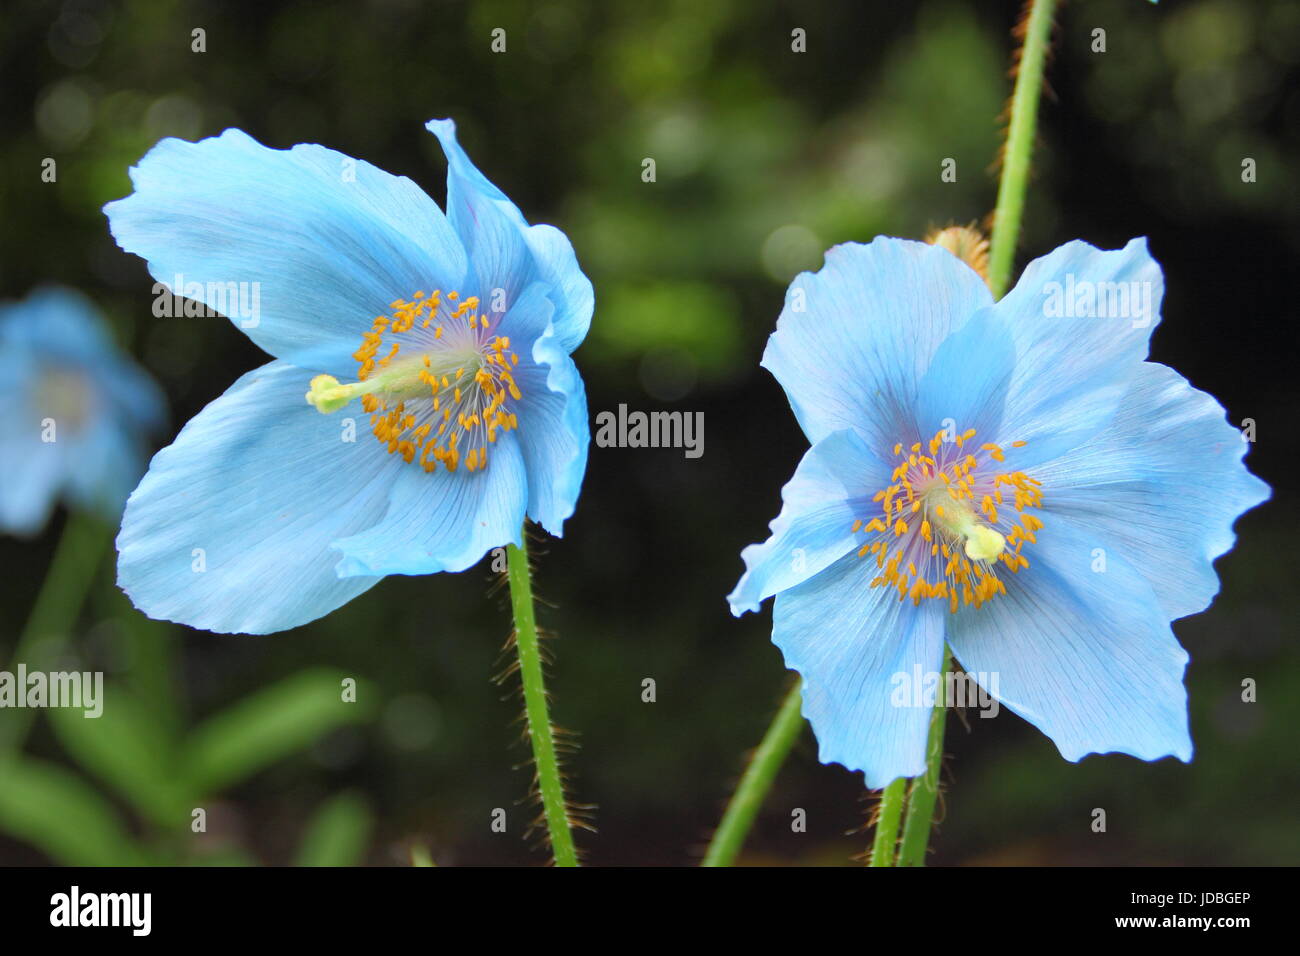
[(953, 553), (405, 397)]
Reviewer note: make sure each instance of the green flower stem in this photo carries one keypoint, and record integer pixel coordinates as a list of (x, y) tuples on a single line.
[(77, 557), (1019, 145), (757, 780), (549, 782), (885, 845), (925, 788)]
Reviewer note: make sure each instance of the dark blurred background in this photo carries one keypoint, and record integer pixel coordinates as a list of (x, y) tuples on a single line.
[(765, 157)]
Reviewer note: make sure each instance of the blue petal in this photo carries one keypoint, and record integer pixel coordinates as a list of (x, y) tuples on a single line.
[(443, 521), (1162, 485), (855, 339), (96, 460), (528, 317), (56, 326), (327, 253), (136, 400), (831, 488), (1088, 657), (967, 381), (1074, 361), (107, 463), (856, 647), (263, 484), (34, 472), (507, 253), (553, 432)]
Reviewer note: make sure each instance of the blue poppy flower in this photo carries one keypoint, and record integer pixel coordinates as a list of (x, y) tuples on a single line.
[(1013, 479), (77, 411), (422, 400)]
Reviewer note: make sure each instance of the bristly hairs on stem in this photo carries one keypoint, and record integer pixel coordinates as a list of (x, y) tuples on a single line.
[(559, 816), (871, 801), (1018, 33), (1028, 66), (762, 766)]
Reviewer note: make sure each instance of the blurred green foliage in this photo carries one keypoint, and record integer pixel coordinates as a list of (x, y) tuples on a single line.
[(764, 157), (169, 775)]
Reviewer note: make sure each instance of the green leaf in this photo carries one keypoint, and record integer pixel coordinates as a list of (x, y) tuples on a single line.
[(131, 751), (55, 810), (268, 726), (337, 834)]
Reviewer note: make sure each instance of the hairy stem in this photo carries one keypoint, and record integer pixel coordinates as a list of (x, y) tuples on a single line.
[(925, 788), (757, 780), (549, 782), (885, 845), (1019, 144)]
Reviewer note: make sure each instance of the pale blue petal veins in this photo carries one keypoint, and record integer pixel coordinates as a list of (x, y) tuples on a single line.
[(861, 651), (553, 430), (1080, 649), (554, 433), (966, 384), (527, 318), (831, 488), (1082, 320), (441, 520), (322, 243), (855, 339), (230, 529), (572, 291), (1162, 485), (507, 253)]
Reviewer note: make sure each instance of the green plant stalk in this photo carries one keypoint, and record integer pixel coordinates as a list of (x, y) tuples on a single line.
[(885, 846), (77, 557), (1019, 145), (1007, 215), (925, 788), (757, 780), (549, 782)]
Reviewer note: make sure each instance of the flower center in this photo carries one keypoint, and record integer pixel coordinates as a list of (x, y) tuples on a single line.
[(437, 383), (65, 396), (944, 523)]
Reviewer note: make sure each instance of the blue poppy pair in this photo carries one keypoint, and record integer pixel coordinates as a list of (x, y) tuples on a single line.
[(1011, 479)]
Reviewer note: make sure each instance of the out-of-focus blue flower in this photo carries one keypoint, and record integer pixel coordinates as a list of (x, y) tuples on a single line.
[(75, 412), (422, 400), (1012, 478)]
